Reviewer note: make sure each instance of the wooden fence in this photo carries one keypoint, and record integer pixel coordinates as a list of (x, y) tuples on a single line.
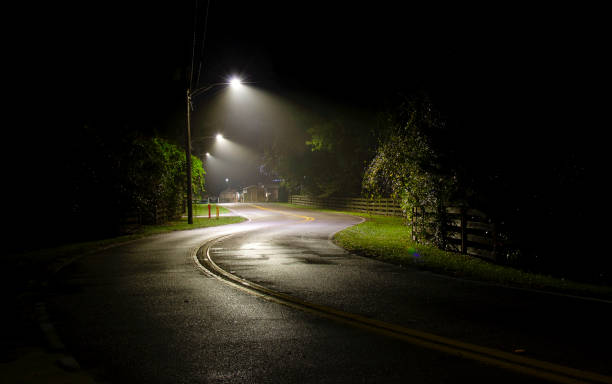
[(158, 214), (462, 230), (382, 206)]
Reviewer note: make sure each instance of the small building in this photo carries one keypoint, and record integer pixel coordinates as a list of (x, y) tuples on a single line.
[(253, 194), (259, 193), (229, 196), (272, 192)]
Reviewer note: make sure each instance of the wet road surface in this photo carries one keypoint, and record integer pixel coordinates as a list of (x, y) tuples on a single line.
[(142, 312)]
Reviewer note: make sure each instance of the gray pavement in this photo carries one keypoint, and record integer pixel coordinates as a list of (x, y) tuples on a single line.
[(141, 312)]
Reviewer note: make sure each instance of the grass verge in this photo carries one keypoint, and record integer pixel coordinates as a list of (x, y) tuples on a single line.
[(202, 209), (387, 239)]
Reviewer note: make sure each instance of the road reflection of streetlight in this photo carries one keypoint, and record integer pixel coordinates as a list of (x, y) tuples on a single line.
[(234, 82)]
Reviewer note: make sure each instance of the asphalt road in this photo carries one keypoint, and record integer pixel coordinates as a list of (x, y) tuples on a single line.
[(146, 312)]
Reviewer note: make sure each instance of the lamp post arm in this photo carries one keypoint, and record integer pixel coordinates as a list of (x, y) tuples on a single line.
[(203, 138), (203, 89), (190, 95)]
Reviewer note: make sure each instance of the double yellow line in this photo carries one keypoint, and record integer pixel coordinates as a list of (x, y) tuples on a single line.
[(490, 356), (306, 218)]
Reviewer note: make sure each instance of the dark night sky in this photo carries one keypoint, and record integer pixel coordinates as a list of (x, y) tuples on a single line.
[(499, 73), (356, 52)]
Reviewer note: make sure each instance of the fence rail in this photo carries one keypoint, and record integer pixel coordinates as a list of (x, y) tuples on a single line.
[(463, 230), (157, 214), (382, 206)]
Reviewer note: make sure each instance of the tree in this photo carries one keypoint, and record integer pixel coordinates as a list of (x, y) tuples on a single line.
[(327, 159), (118, 176), (339, 150), (407, 164), (155, 177)]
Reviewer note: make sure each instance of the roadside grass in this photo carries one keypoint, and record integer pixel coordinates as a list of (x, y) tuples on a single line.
[(387, 239), (200, 209)]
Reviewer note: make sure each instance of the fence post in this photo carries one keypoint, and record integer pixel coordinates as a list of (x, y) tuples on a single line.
[(463, 231), (424, 224), (494, 235), (414, 226), (441, 225)]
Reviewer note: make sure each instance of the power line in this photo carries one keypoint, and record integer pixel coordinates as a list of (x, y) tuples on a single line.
[(203, 42), (195, 23)]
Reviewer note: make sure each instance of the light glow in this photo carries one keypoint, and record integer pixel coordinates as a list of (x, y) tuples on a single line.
[(219, 136), (235, 82)]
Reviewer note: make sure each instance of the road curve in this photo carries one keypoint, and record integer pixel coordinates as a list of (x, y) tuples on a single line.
[(141, 312)]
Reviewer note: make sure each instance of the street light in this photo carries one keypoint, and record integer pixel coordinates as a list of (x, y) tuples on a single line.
[(234, 82)]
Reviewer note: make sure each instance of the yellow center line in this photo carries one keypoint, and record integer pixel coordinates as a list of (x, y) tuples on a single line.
[(306, 218), (505, 360)]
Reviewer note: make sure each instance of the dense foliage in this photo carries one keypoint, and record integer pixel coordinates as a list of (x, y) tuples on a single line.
[(328, 161), (154, 177), (338, 151), (407, 165), (108, 178), (530, 182)]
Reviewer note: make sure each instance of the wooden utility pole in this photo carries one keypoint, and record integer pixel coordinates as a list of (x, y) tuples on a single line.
[(234, 82), (188, 156)]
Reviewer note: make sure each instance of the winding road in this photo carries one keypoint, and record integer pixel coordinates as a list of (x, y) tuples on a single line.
[(273, 300)]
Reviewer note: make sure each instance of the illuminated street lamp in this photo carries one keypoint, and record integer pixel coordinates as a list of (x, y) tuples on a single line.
[(234, 82)]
